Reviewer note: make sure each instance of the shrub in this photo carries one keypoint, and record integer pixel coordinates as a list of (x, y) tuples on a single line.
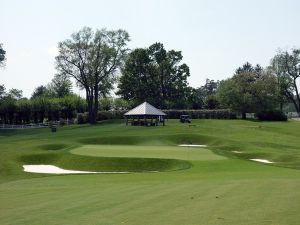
[(201, 114), (271, 116), (108, 115), (82, 118)]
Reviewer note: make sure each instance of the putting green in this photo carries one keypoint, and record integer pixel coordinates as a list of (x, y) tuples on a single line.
[(165, 152)]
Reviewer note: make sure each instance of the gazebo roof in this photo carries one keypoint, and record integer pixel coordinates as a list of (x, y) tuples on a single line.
[(145, 109)]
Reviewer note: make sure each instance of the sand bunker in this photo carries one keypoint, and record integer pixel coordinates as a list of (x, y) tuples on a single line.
[(186, 145), (56, 170), (262, 160), (238, 152)]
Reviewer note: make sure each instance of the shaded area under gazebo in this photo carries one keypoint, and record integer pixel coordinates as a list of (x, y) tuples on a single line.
[(145, 115)]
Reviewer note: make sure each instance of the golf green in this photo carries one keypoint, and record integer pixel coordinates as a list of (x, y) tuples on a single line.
[(174, 152)]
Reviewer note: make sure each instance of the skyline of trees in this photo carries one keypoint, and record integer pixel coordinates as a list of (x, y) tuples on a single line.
[(100, 62)]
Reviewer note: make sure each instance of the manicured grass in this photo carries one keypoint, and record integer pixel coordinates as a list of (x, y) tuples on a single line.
[(174, 152), (211, 186)]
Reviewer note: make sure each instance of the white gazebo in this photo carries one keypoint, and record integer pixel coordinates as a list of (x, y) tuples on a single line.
[(145, 115)]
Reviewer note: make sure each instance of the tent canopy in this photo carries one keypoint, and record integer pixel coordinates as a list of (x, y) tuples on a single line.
[(145, 109)]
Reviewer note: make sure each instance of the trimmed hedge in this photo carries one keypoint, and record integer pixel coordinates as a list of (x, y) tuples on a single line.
[(201, 114), (171, 114), (271, 116)]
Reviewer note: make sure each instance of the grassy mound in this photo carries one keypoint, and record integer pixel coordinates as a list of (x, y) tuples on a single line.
[(53, 146), (102, 164)]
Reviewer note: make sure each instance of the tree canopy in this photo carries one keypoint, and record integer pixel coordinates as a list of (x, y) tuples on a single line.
[(249, 90), (2, 56), (60, 86), (204, 96), (155, 75), (92, 59), (286, 66)]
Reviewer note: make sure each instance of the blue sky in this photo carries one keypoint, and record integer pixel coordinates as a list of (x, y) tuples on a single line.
[(215, 37)]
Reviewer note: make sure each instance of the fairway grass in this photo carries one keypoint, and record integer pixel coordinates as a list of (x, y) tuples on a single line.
[(209, 186)]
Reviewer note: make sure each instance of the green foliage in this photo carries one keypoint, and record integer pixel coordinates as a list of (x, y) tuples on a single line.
[(82, 118), (271, 116), (92, 59), (38, 109), (201, 114), (211, 102), (70, 105), (2, 56), (156, 76), (286, 66), (60, 86), (249, 90), (106, 103), (121, 104), (15, 93), (204, 96), (2, 91), (7, 109), (40, 91)]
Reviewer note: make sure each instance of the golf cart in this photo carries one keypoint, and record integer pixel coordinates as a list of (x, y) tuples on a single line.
[(185, 119)]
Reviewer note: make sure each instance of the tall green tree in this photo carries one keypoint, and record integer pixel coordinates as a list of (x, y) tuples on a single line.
[(60, 86), (2, 56), (24, 111), (249, 91), (155, 75), (204, 96), (15, 93), (40, 91), (2, 91), (92, 59), (286, 66)]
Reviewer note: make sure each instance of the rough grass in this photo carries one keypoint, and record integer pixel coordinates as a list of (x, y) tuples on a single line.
[(220, 188), (53, 146)]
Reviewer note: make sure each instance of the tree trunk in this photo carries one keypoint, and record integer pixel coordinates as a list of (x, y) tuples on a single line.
[(95, 105), (297, 103), (90, 103)]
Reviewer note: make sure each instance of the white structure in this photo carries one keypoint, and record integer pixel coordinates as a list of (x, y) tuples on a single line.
[(144, 112)]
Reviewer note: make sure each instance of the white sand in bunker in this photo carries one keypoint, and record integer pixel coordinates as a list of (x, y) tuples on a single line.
[(197, 146), (238, 152), (56, 170), (262, 160)]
